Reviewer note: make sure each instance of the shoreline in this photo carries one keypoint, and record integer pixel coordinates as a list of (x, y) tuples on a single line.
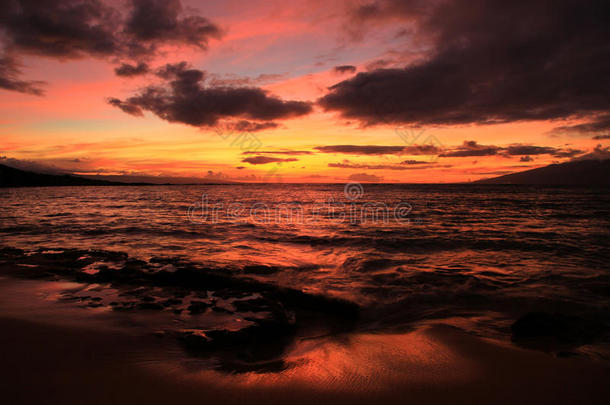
[(436, 364), (61, 345), (56, 353)]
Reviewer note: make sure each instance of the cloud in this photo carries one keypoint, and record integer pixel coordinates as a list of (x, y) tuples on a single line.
[(62, 29), (526, 159), (261, 160), (598, 153), (233, 80), (562, 153), (490, 61), (599, 123), (346, 164), (163, 21), (248, 126), (421, 150), (361, 149), (185, 98), (427, 150), (521, 150), (278, 152), (365, 178), (128, 70), (600, 137), (128, 108), (211, 175), (516, 150), (76, 29), (9, 78), (345, 69), (471, 148)]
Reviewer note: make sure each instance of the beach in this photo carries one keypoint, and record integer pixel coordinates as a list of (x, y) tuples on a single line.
[(140, 301), (57, 354)]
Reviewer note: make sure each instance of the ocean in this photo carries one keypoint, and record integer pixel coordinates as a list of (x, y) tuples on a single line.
[(476, 256)]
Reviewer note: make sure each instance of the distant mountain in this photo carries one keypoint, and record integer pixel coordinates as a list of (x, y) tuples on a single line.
[(581, 172), (11, 177), (124, 178)]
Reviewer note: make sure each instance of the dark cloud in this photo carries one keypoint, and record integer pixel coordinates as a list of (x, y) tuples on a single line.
[(248, 126), (279, 152), (9, 78), (345, 69), (233, 80), (490, 61), (75, 28), (517, 150), (58, 28), (379, 64), (361, 149), (526, 150), (261, 160), (365, 178), (346, 164), (421, 150), (526, 159), (471, 148), (186, 98), (598, 153), (163, 21), (600, 137), (600, 123), (71, 29), (128, 70), (380, 149), (126, 107), (562, 153)]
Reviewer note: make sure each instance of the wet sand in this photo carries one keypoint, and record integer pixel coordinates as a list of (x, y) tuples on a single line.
[(53, 364), (58, 351)]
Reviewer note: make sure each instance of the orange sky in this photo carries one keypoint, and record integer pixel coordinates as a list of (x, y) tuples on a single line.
[(73, 128)]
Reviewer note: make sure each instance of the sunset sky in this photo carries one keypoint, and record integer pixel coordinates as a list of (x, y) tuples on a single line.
[(305, 90)]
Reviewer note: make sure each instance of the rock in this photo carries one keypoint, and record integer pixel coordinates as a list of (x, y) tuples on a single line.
[(198, 307), (170, 302), (553, 332), (260, 269), (251, 305), (150, 305)]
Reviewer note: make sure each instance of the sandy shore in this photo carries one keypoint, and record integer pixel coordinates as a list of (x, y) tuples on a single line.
[(53, 351), (44, 363)]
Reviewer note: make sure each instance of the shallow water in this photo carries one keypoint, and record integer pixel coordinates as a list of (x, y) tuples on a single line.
[(404, 253)]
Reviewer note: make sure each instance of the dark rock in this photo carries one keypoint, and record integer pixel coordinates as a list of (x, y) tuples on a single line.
[(150, 305), (198, 307), (221, 309), (260, 269), (252, 305), (170, 302), (553, 332)]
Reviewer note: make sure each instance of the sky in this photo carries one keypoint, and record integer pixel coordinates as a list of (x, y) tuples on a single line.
[(303, 91)]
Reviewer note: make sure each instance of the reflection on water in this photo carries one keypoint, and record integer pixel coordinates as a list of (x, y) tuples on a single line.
[(468, 252)]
